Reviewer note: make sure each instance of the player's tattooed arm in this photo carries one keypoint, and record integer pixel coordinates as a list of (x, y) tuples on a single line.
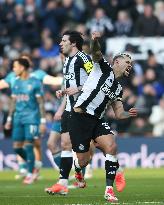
[(120, 113), (95, 47)]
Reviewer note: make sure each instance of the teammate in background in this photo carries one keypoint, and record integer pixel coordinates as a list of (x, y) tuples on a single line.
[(86, 123), (46, 79), (54, 140), (26, 113), (76, 68)]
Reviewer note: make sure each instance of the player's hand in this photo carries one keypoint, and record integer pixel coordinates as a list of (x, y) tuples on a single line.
[(95, 35), (71, 91), (59, 94), (8, 125), (133, 112), (42, 128), (58, 115)]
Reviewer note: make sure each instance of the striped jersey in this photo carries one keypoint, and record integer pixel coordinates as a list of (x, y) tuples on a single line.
[(76, 70), (100, 89)]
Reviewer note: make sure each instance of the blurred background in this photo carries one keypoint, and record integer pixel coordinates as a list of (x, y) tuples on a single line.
[(133, 26)]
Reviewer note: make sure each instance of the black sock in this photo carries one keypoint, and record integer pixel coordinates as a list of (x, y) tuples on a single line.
[(111, 168), (65, 167)]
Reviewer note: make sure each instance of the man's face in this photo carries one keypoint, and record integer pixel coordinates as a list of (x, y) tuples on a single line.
[(125, 65), (17, 68), (65, 45)]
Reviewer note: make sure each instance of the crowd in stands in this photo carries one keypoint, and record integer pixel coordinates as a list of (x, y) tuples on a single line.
[(35, 27)]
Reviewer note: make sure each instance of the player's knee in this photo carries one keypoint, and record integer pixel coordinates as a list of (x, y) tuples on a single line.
[(83, 160), (51, 147), (66, 145), (111, 149)]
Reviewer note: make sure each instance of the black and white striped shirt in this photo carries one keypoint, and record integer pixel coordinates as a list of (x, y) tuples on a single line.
[(76, 70), (100, 89)]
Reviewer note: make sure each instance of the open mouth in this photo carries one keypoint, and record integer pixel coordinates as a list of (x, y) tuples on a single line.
[(61, 49)]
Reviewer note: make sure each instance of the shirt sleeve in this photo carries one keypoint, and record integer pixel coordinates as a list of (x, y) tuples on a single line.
[(38, 89), (104, 64), (10, 79), (39, 74)]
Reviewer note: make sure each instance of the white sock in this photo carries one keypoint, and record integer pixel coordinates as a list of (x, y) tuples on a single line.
[(63, 182), (111, 158)]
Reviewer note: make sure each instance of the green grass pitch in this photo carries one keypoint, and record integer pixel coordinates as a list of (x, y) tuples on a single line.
[(144, 186)]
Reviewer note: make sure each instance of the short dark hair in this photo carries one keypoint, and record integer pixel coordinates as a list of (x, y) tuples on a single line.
[(24, 62), (75, 37), (27, 56), (121, 55)]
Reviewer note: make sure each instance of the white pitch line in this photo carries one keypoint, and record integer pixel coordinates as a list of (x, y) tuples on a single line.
[(81, 196)]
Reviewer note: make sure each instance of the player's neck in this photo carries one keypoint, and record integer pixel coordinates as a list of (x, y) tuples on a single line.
[(24, 75), (116, 72), (73, 52)]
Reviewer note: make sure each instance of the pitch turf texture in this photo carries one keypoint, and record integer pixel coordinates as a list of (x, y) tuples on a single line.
[(144, 186)]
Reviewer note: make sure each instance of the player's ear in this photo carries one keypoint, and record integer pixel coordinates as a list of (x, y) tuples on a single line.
[(117, 61), (74, 44)]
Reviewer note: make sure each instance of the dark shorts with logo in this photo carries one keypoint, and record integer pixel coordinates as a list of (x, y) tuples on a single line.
[(65, 120), (84, 128)]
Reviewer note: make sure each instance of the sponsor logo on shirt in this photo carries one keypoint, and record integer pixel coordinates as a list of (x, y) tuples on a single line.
[(22, 97), (106, 89)]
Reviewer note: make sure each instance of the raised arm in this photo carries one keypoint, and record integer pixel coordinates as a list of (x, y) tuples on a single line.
[(51, 80), (95, 47)]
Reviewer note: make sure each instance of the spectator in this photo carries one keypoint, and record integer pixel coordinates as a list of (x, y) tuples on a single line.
[(100, 22), (159, 13), (16, 47), (137, 10), (147, 100), (49, 49), (111, 8), (147, 24), (123, 25), (152, 63), (140, 127)]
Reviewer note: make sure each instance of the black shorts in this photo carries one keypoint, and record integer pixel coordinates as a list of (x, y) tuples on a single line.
[(65, 120), (84, 128)]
